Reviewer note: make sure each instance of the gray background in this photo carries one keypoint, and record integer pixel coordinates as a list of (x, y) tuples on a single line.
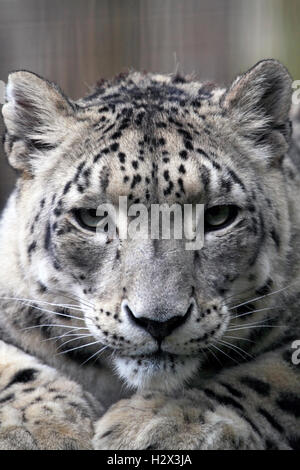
[(75, 42)]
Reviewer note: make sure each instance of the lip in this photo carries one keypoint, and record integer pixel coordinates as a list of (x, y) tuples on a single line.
[(158, 356)]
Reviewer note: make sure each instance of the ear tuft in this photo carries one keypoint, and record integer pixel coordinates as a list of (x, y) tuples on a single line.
[(258, 103), (35, 116)]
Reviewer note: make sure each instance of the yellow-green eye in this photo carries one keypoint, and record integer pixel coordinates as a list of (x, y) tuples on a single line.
[(219, 217), (89, 219)]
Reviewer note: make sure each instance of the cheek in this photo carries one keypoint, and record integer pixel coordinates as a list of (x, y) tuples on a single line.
[(79, 253)]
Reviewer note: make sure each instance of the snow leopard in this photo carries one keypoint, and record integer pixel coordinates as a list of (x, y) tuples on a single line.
[(126, 343)]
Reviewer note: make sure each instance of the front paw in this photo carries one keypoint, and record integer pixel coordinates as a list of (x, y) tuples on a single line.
[(159, 422), (56, 416), (42, 426)]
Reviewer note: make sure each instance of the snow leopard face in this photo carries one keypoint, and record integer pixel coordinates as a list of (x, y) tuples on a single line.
[(155, 307)]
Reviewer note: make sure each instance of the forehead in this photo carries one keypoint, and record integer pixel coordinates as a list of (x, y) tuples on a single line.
[(158, 167), (159, 141)]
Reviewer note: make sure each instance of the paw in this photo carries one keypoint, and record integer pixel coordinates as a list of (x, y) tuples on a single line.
[(164, 423), (41, 409), (46, 425)]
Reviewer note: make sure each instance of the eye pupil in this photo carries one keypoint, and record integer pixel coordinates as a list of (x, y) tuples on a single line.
[(92, 212)]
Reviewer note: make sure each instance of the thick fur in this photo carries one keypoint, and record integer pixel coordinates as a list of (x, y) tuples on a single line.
[(225, 378)]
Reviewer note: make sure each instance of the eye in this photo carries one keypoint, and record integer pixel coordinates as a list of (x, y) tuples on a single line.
[(219, 217), (88, 219)]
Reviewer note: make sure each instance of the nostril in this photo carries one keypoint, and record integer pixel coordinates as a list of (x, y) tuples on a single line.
[(157, 329)]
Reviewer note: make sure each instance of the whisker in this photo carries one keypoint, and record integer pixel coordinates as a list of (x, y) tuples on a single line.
[(71, 306), (73, 339), (238, 294), (78, 347), (54, 325), (262, 322), (52, 311), (234, 346), (231, 358), (232, 349), (262, 296), (65, 335), (238, 337), (95, 354), (215, 356), (253, 311), (255, 326), (204, 352), (76, 298)]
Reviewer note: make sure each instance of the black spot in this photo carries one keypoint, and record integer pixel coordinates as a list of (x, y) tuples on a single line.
[(180, 183), (271, 420), (216, 165), (47, 237), (31, 247), (185, 134), (114, 147), (107, 433), (233, 390), (24, 376), (183, 154), (135, 180), (226, 184), (290, 403), (166, 175), (188, 145), (152, 446), (122, 157), (275, 237), (9, 397), (260, 387), (116, 135), (79, 169), (265, 289), (249, 421), (168, 190), (223, 399), (57, 212), (97, 157), (236, 179), (67, 187)]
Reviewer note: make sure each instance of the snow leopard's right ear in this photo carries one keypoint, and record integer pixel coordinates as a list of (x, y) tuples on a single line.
[(36, 115)]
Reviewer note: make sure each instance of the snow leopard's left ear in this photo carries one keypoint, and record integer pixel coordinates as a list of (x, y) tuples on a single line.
[(36, 116), (258, 104)]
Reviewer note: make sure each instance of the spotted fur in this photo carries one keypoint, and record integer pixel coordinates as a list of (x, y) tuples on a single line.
[(224, 378)]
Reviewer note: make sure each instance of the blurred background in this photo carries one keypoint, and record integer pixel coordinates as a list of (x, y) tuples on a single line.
[(76, 42)]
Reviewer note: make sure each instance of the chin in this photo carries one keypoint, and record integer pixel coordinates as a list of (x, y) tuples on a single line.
[(162, 372)]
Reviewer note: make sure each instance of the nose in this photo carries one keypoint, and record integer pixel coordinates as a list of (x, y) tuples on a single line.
[(158, 329)]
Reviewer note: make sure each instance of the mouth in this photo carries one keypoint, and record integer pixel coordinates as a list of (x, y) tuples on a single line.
[(159, 370)]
